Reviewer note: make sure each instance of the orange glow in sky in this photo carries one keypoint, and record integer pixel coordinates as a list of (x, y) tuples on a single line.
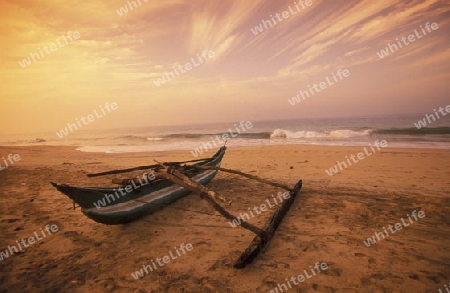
[(82, 55)]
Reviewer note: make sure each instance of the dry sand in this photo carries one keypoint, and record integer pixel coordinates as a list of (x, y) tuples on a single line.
[(327, 223)]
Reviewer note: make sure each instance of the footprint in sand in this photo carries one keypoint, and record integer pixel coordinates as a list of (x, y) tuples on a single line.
[(332, 270)]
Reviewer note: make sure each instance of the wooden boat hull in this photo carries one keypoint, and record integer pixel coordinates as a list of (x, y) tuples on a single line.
[(119, 209)]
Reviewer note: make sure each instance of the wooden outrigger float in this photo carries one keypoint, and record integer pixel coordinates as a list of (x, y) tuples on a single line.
[(182, 176), (263, 235)]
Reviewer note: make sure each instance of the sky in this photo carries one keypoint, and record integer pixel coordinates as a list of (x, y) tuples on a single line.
[(119, 55)]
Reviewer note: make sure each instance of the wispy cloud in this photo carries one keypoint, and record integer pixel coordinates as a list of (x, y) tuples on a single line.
[(121, 55)]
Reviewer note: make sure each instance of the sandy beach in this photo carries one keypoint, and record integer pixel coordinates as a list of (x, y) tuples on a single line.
[(328, 223)]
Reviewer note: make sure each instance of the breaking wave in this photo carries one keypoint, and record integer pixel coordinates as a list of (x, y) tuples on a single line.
[(281, 133)]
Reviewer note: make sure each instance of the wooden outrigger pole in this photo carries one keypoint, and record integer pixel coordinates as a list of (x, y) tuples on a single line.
[(264, 235)]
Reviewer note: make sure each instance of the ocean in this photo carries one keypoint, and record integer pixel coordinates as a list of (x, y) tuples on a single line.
[(398, 131)]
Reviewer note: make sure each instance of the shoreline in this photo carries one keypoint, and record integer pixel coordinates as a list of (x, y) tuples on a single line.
[(392, 164), (205, 153)]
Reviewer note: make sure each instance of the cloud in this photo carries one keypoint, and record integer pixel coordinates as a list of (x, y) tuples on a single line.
[(120, 56)]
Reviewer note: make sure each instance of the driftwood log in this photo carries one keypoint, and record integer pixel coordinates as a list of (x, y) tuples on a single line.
[(259, 243)]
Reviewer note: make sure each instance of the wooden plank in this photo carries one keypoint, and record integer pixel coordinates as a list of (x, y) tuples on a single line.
[(262, 180), (259, 243)]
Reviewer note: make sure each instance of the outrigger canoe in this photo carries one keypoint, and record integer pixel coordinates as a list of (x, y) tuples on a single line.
[(111, 207)]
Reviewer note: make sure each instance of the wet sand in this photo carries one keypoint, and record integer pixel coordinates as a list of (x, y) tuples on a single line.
[(327, 223)]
